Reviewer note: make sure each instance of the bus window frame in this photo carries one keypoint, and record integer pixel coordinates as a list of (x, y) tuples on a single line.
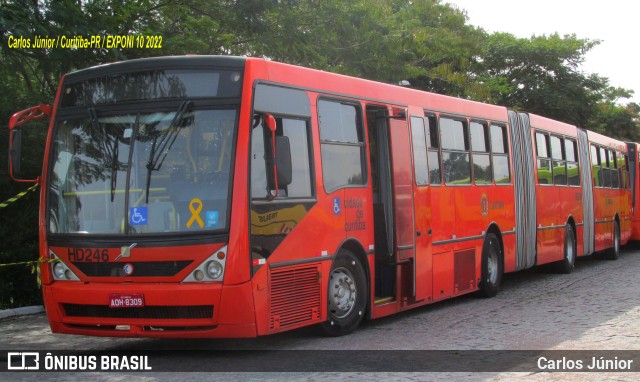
[(576, 160), (506, 138), (548, 158), (430, 117), (362, 145), (465, 122), (488, 151)]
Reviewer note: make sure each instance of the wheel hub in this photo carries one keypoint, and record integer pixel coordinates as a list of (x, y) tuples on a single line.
[(342, 292), (492, 266)]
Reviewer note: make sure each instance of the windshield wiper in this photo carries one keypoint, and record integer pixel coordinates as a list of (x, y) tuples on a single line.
[(111, 159), (159, 150)]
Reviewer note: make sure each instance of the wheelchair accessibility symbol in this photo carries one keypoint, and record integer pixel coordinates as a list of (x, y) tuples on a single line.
[(138, 215), (336, 206)]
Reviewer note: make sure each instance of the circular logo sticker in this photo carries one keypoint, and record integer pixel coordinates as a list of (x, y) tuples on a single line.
[(128, 269)]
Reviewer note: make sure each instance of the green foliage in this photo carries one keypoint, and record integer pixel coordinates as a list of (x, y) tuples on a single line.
[(444, 49), (427, 42), (617, 121), (541, 75)]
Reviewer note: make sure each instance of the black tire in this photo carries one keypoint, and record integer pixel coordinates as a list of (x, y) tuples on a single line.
[(568, 264), (347, 295), (492, 266), (613, 253)]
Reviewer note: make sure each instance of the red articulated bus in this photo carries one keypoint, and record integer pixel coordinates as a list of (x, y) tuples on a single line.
[(205, 196)]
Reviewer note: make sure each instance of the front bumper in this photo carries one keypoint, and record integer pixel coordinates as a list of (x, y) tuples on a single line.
[(170, 310)]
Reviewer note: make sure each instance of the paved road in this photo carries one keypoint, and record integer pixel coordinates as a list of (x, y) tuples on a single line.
[(595, 308)]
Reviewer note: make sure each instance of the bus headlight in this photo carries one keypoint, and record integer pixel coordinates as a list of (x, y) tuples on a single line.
[(211, 269), (60, 270), (214, 269)]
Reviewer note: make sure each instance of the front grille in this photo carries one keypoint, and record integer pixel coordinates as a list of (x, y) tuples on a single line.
[(158, 312), (140, 268)]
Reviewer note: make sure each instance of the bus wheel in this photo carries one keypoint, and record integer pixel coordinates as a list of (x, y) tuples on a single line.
[(614, 252), (347, 295), (568, 264), (491, 266)]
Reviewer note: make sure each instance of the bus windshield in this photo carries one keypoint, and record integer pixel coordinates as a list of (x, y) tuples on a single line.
[(141, 172)]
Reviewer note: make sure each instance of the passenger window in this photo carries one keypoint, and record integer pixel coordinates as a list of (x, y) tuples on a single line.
[(559, 162), (613, 169), (605, 174), (500, 154), (499, 139), (573, 167), (624, 172), (544, 163), (595, 166), (418, 137), (570, 150), (433, 144), (542, 145), (455, 151), (342, 144), (482, 173), (454, 134), (595, 161), (479, 137)]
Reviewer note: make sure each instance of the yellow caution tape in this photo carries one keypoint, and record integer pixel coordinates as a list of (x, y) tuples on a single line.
[(23, 193), (38, 280), (33, 266), (31, 262)]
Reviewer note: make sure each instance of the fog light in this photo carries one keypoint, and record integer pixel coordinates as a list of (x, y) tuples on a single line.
[(198, 275), (214, 269), (60, 271)]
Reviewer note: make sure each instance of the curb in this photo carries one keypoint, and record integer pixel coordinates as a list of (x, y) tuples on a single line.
[(23, 311)]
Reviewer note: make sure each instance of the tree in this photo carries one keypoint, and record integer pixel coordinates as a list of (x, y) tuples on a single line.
[(541, 75), (443, 49), (618, 121)]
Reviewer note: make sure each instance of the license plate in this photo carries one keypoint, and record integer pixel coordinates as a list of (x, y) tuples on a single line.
[(135, 300)]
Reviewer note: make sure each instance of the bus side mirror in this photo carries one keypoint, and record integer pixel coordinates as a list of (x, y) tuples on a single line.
[(15, 152), (282, 167), (278, 151), (283, 161), (20, 118)]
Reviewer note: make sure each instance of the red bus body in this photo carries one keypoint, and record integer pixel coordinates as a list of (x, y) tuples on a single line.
[(278, 253)]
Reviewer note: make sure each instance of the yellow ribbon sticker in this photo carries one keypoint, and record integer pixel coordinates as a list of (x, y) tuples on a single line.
[(195, 206)]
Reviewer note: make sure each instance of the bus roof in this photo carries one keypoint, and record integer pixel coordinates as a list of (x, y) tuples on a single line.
[(351, 87), (606, 141), (539, 122)]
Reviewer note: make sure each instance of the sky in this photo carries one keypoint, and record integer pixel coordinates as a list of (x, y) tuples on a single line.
[(615, 23)]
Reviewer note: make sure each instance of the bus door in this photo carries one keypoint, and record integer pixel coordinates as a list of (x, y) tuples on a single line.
[(394, 221)]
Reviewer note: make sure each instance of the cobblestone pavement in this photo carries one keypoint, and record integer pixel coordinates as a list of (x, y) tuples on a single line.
[(595, 308)]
